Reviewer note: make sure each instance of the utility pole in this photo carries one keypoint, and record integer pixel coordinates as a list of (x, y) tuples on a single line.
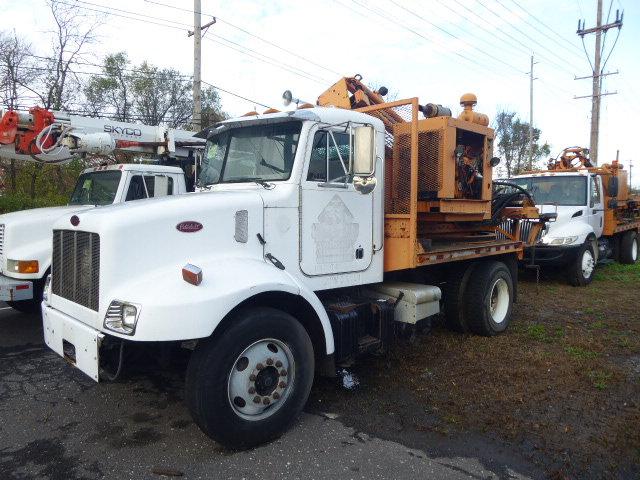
[(598, 73), (531, 79), (197, 63)]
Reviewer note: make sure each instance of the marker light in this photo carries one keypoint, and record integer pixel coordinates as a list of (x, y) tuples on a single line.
[(192, 274), (23, 266)]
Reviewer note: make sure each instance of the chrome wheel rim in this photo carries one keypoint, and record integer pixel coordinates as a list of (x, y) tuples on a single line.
[(587, 264), (634, 250), (499, 300), (261, 379)]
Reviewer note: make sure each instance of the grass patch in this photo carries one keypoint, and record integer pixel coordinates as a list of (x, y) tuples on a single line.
[(580, 353), (537, 332), (618, 272), (600, 378)]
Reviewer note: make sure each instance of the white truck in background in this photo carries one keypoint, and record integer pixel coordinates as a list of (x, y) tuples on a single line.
[(597, 218), (25, 236), (45, 136)]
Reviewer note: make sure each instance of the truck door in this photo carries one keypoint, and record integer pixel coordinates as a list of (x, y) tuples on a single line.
[(596, 207), (336, 221)]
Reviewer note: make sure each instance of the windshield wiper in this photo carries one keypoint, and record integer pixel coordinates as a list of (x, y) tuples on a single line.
[(264, 163), (260, 181)]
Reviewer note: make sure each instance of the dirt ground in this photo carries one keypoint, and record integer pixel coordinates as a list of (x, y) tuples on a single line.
[(561, 386)]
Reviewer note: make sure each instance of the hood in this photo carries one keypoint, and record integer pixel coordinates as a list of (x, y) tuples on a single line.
[(570, 221), (27, 236), (145, 237)]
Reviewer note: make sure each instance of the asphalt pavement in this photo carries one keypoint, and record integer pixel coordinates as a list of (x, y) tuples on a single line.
[(57, 424)]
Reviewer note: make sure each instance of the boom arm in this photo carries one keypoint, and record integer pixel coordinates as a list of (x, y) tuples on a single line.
[(55, 137)]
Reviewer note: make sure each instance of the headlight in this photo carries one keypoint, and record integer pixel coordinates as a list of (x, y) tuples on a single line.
[(122, 317), (563, 240), (23, 266), (47, 289)]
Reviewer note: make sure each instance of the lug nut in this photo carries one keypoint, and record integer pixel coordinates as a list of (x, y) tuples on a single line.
[(256, 399), (252, 391), (282, 384), (283, 373), (269, 361), (260, 366), (278, 364), (266, 401), (276, 395), (252, 377)]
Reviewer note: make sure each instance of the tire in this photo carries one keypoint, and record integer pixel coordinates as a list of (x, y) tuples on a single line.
[(489, 299), (453, 297), (581, 268), (242, 362), (629, 247)]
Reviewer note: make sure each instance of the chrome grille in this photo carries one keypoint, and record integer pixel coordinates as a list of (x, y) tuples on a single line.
[(75, 267), (509, 225)]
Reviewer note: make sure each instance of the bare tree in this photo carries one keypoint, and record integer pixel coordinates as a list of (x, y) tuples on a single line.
[(73, 33)]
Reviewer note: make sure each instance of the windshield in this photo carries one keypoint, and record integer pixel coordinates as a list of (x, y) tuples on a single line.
[(96, 188), (561, 190), (261, 152)]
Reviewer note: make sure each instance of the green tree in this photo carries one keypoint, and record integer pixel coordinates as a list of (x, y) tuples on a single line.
[(111, 91), (513, 143)]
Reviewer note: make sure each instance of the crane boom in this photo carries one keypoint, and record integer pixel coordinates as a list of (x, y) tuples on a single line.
[(56, 137)]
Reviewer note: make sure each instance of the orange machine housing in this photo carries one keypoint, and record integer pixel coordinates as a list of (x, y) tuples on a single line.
[(438, 187)]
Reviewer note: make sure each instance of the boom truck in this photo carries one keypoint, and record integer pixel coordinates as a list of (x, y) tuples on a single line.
[(597, 217), (318, 231), (55, 137)]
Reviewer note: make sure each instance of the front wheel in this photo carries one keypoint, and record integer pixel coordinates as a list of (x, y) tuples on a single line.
[(581, 269), (245, 386), (489, 298)]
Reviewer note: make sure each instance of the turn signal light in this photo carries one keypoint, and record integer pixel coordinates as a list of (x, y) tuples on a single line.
[(23, 266), (192, 274)]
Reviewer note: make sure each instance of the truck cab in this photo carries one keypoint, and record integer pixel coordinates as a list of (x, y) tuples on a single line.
[(574, 239), (25, 236)]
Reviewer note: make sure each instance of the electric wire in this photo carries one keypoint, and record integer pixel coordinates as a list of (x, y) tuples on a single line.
[(247, 32)]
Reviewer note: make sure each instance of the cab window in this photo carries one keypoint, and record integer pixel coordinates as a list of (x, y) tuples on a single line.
[(330, 158), (149, 186), (595, 192)]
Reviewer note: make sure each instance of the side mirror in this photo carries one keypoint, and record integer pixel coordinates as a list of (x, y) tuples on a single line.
[(494, 162), (364, 151)]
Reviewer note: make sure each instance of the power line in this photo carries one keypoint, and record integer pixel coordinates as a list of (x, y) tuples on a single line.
[(390, 19), (276, 64), (480, 2), (455, 36), (564, 40), (247, 32)]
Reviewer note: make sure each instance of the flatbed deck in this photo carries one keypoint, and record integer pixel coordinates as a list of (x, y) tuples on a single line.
[(443, 252)]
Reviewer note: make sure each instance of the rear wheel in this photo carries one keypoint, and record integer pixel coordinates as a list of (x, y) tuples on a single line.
[(454, 297), (581, 269), (246, 386), (629, 247), (489, 298)]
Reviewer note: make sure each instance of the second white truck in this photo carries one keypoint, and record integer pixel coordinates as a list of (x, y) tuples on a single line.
[(25, 236)]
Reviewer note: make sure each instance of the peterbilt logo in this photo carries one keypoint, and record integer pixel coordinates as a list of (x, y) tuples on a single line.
[(189, 226), (136, 132)]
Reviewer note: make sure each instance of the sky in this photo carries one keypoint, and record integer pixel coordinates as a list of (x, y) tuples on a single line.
[(434, 49)]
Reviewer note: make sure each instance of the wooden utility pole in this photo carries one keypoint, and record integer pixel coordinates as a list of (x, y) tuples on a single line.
[(197, 65), (197, 62), (598, 73), (531, 79)]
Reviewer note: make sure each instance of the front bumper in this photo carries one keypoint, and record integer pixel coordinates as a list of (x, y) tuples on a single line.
[(76, 342), (551, 254), (12, 290)]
